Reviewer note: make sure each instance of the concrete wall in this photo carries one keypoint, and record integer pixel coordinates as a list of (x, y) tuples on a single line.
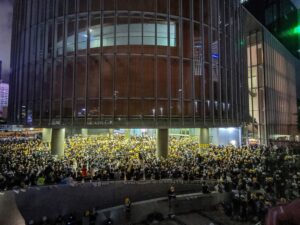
[(55, 200)]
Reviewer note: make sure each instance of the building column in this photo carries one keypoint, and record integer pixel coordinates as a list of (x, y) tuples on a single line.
[(162, 143), (127, 133), (57, 142), (204, 136), (46, 135), (84, 132)]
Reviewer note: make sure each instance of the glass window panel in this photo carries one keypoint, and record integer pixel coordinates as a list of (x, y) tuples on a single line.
[(34, 12), (38, 80), (95, 33), (136, 5), (162, 109), (149, 108), (82, 5), (108, 4), (60, 8), (47, 82), (50, 9), (80, 77), (95, 5), (55, 114), (162, 78), (93, 108), (82, 35), (175, 7), (31, 79), (176, 108), (149, 77), (162, 6), (67, 109), (122, 4), (68, 78), (59, 40), (206, 10), (187, 80), (41, 12), (121, 107), (186, 8), (188, 109), (206, 44), (107, 107), (150, 5), (214, 14), (186, 39), (198, 10), (80, 109), (135, 73), (70, 36), (94, 76), (50, 40), (198, 51), (176, 89), (121, 77), (71, 6), (135, 108), (107, 76), (57, 79), (253, 55)]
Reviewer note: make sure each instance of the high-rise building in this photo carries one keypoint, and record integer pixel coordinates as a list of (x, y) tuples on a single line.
[(138, 64), (281, 18), (4, 90)]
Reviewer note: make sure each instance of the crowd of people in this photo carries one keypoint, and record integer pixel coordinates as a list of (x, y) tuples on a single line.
[(259, 177)]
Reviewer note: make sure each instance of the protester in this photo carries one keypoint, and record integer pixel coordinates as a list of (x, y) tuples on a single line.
[(259, 176)]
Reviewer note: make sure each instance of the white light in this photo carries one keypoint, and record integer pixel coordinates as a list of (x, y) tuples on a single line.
[(143, 130), (31, 128), (161, 110), (216, 104), (233, 142), (208, 102), (231, 129)]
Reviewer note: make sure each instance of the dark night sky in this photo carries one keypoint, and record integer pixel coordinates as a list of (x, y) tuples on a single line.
[(5, 32)]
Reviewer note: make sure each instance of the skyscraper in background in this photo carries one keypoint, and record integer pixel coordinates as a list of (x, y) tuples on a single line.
[(281, 18), (4, 89)]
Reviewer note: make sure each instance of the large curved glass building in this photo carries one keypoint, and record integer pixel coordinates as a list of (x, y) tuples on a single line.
[(127, 63)]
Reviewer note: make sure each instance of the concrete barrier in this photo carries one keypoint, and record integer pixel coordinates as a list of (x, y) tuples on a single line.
[(9, 212), (51, 201)]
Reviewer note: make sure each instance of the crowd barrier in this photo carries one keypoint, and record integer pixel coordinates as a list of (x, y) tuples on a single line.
[(55, 200)]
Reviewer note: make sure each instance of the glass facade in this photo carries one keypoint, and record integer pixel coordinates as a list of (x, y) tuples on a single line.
[(127, 63), (272, 71)]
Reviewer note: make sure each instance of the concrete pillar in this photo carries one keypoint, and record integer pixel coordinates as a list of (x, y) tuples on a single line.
[(127, 133), (84, 132), (110, 132), (46, 135), (204, 136), (162, 143), (57, 141)]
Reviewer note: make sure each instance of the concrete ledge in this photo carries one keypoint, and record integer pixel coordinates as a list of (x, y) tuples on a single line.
[(35, 202)]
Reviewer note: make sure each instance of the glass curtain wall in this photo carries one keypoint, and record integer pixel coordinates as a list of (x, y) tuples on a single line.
[(272, 71), (137, 63), (256, 87)]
